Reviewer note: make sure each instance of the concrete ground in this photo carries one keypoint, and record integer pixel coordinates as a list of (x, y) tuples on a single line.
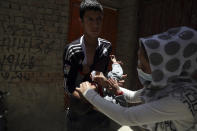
[(134, 128), (125, 128)]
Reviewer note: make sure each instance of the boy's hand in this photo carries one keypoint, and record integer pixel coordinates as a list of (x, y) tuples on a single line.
[(99, 78)]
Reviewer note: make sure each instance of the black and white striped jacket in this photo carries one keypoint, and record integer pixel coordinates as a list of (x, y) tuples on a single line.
[(73, 58)]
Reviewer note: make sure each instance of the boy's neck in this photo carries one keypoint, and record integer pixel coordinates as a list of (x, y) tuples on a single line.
[(89, 41)]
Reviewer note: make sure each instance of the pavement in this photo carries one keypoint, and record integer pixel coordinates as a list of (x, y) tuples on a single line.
[(125, 128)]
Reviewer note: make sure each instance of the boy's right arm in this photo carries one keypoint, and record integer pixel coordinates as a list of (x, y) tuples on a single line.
[(70, 75)]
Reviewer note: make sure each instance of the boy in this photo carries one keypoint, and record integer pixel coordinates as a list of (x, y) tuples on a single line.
[(82, 56)]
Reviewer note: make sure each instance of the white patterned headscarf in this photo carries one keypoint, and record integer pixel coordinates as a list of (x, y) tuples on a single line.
[(171, 54), (173, 60)]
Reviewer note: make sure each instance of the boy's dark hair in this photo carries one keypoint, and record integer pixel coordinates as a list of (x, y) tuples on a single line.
[(89, 5)]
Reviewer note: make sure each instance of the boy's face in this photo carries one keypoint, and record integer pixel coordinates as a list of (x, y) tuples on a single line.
[(92, 23)]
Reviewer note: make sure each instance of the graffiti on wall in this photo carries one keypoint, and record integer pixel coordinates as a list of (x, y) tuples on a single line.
[(24, 47)]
